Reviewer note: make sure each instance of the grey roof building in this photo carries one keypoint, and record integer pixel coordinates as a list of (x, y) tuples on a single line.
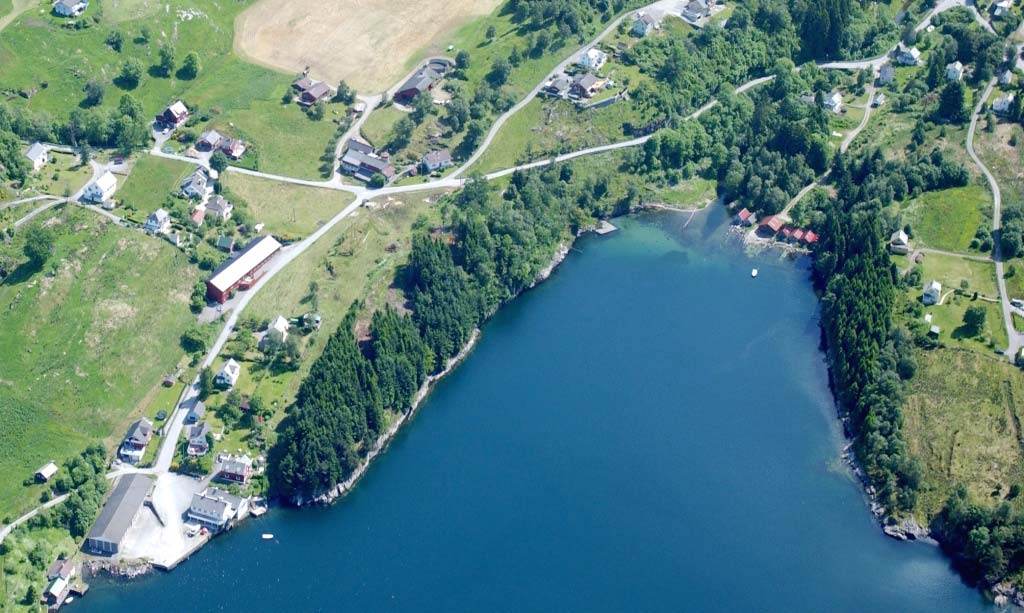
[(118, 514)]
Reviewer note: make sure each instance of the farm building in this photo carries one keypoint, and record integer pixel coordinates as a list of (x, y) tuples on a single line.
[(243, 270), (899, 242), (47, 472), (37, 155), (118, 514)]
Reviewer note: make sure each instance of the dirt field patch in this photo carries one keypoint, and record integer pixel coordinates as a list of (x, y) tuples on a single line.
[(369, 43)]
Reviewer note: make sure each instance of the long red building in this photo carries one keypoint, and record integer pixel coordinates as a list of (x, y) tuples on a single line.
[(243, 270)]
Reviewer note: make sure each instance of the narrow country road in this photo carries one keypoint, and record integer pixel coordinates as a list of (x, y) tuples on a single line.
[(1015, 338), (6, 530)]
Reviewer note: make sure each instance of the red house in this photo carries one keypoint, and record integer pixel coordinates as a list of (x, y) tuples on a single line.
[(242, 271), (771, 225)]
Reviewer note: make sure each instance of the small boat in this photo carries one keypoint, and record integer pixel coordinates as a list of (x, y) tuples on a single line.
[(267, 537), (753, 273), (69, 600)]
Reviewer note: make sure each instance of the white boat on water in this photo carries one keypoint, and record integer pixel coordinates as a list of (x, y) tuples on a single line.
[(753, 273), (267, 537)]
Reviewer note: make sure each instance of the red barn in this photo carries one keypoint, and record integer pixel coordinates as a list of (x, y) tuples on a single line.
[(243, 270)]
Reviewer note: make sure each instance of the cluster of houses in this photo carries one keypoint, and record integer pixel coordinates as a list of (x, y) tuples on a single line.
[(774, 226), (584, 85), (59, 577), (310, 91), (362, 161), (696, 12), (423, 80), (133, 447)]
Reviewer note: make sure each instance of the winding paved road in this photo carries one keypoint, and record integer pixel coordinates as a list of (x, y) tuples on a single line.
[(1016, 339)]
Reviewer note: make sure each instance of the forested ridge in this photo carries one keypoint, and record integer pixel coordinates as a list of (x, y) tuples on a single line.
[(492, 248)]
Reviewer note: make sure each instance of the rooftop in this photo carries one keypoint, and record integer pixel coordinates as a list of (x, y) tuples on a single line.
[(125, 501), (233, 270)]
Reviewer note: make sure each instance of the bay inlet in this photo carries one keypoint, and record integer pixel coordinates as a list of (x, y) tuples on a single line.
[(650, 429)]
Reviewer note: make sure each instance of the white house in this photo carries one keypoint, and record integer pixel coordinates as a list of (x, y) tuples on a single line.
[(899, 243), (47, 472), (593, 59), (278, 329), (878, 101), (908, 56), (228, 374), (887, 75), (37, 155), (1002, 105), (101, 189), (932, 293), (158, 223), (954, 71), (833, 102), (1002, 8), (214, 508), (1006, 78), (70, 8)]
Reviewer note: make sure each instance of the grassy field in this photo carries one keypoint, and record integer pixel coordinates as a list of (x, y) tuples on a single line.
[(242, 98), (355, 261), (286, 209), (150, 183), (948, 219), (370, 45), (963, 423), (84, 341), (951, 271)]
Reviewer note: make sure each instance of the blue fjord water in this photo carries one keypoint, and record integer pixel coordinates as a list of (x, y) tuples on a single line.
[(650, 430)]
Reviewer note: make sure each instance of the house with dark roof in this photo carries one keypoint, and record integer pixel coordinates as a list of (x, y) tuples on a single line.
[(311, 91), (118, 514), (215, 508), (70, 8), (209, 140), (133, 447), (236, 469), (587, 85), (423, 80), (197, 185), (557, 87), (198, 443), (361, 161), (225, 243)]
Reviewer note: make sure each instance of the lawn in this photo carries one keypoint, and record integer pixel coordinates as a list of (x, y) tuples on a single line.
[(948, 219), (288, 210), (962, 422), (20, 572), (84, 341), (150, 183), (377, 128), (951, 271), (62, 176), (691, 193)]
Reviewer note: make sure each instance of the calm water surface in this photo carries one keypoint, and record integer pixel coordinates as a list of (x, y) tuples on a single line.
[(649, 430)]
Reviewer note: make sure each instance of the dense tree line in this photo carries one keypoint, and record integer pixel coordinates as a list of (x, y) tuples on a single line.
[(84, 480), (986, 542), (870, 355), (493, 248), (125, 127)]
